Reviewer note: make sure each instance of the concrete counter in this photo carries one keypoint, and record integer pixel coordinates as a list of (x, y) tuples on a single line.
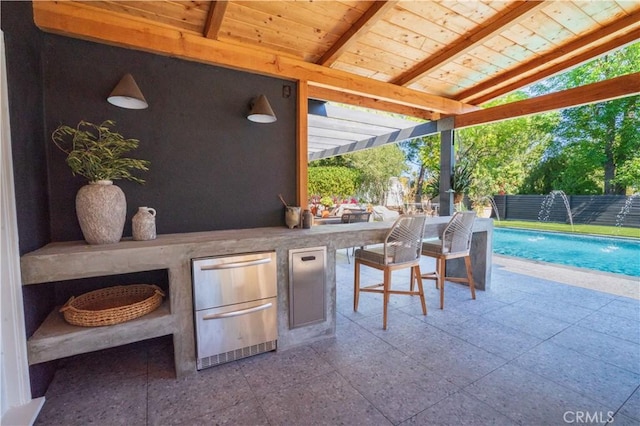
[(173, 252)]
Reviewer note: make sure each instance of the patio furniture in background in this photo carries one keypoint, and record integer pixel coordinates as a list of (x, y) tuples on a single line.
[(383, 214), (355, 217), (400, 249), (454, 243)]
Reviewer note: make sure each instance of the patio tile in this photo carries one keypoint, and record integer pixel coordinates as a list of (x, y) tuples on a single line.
[(398, 385), (507, 295), (122, 402), (351, 344), (612, 325), (631, 407), (291, 367), (496, 338), (601, 381), (529, 398), (527, 321), (247, 412), (175, 401), (399, 323), (442, 318), (460, 409), (610, 349), (326, 399), (384, 367), (622, 420), (480, 306), (456, 360), (623, 307), (108, 366), (554, 307), (584, 297)]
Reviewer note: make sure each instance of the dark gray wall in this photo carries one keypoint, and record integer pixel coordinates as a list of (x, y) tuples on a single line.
[(211, 168), (23, 43)]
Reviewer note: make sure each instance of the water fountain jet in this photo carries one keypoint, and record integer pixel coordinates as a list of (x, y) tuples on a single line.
[(547, 203)]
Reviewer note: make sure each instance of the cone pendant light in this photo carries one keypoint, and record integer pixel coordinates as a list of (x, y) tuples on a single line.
[(127, 94), (261, 111)]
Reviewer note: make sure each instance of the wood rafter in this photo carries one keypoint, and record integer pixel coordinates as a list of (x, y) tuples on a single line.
[(375, 12), (214, 19), (365, 102), (302, 142), (620, 33), (79, 21), (469, 40), (626, 85)]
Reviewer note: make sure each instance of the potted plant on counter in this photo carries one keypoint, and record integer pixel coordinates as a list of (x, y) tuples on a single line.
[(96, 152)]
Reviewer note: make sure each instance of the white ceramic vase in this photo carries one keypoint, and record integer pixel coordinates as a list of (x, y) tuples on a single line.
[(102, 210), (143, 224)]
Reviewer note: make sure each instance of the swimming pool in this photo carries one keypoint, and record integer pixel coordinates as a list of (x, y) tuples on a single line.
[(617, 255)]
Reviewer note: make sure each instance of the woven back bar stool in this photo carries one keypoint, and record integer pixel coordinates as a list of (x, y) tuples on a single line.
[(401, 249), (455, 243)]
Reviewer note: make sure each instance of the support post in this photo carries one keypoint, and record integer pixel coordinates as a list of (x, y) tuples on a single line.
[(447, 161)]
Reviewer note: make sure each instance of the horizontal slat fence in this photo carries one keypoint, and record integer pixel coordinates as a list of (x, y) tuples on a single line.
[(585, 209)]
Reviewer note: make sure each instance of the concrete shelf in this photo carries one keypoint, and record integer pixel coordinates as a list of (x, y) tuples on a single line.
[(55, 338)]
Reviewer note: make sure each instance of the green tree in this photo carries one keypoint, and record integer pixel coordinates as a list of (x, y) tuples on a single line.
[(503, 154), (602, 139), (376, 166), (424, 153), (333, 181)]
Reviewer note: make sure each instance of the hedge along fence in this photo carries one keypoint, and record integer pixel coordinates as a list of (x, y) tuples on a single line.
[(586, 209)]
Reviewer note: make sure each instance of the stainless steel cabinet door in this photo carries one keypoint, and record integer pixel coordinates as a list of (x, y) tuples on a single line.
[(229, 328), (225, 280)]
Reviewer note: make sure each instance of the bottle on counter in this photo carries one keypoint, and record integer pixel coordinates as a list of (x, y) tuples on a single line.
[(144, 224), (307, 219)]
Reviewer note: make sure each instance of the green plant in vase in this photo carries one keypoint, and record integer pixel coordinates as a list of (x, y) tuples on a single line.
[(96, 152)]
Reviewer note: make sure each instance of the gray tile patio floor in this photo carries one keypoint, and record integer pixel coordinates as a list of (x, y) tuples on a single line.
[(530, 351)]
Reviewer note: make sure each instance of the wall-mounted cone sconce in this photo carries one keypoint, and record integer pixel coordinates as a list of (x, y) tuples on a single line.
[(261, 111), (127, 94)]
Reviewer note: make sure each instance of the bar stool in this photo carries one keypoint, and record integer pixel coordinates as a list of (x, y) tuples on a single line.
[(455, 243), (401, 249)]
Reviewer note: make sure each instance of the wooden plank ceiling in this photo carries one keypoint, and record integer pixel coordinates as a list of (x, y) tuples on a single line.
[(424, 59)]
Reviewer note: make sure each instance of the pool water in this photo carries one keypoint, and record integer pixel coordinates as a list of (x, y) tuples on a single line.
[(617, 255)]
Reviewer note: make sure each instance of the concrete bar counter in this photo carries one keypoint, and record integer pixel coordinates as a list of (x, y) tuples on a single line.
[(173, 252)]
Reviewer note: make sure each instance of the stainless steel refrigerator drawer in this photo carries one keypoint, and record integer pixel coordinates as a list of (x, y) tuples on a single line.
[(225, 280), (240, 326)]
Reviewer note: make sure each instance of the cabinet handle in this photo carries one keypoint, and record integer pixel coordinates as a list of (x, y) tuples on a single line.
[(235, 264), (307, 258), (238, 313)]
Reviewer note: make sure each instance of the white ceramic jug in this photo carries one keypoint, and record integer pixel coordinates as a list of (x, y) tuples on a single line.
[(144, 224)]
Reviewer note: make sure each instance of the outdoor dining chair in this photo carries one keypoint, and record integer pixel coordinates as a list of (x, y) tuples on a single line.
[(354, 217), (401, 249), (455, 243)]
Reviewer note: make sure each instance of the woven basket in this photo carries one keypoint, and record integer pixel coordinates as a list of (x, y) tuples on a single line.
[(112, 305)]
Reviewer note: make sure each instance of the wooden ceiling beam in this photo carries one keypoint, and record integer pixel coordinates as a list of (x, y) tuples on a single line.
[(77, 20), (619, 87), (324, 94), (619, 33), (375, 12), (470, 40), (215, 16)]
